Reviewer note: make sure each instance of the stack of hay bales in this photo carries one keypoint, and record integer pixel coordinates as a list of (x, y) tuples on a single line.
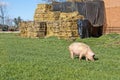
[(27, 29), (68, 29), (53, 28), (62, 29), (60, 24), (68, 25), (44, 13), (32, 29), (51, 23)]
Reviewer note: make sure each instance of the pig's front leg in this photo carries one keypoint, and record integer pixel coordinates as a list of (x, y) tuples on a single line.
[(86, 59), (71, 54)]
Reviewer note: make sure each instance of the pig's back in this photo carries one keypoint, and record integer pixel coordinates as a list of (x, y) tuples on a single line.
[(77, 47), (78, 44)]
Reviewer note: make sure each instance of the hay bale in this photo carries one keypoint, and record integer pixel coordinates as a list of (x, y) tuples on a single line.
[(43, 7), (68, 29), (43, 13), (47, 16), (70, 16), (27, 29)]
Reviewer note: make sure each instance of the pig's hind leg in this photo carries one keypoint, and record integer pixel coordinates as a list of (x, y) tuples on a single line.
[(80, 57)]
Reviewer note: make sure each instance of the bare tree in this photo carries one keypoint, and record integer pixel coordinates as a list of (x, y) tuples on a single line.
[(2, 11), (9, 21)]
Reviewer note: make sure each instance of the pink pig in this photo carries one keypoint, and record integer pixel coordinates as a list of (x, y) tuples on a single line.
[(81, 49)]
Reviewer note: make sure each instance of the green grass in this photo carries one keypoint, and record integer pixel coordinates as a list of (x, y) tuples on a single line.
[(49, 59)]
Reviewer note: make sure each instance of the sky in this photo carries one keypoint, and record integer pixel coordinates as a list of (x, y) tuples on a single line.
[(23, 8)]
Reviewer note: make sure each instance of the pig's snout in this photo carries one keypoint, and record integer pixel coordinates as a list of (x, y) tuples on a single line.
[(92, 58)]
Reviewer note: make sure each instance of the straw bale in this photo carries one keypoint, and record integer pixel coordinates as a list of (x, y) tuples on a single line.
[(70, 16), (43, 7), (50, 31), (26, 29), (48, 16)]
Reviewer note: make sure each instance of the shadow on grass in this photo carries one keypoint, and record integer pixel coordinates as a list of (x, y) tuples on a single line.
[(83, 58)]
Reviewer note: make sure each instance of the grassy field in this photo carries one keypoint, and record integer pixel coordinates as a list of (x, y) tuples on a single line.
[(49, 59)]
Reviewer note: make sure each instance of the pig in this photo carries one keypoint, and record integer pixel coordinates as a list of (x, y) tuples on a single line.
[(81, 50)]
